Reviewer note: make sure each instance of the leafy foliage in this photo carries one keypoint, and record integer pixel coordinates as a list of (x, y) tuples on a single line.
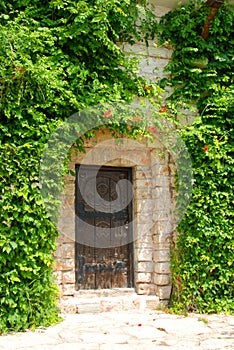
[(26, 240), (57, 57), (201, 73)]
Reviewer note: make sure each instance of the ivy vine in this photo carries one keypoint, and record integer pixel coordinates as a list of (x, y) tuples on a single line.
[(57, 58), (60, 57), (201, 77)]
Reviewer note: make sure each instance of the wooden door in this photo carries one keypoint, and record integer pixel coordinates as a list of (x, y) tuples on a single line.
[(104, 245)]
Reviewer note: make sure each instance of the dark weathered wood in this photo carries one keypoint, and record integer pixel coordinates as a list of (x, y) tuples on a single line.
[(104, 258)]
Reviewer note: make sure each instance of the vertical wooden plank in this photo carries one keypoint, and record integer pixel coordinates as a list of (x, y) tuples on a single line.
[(109, 266)]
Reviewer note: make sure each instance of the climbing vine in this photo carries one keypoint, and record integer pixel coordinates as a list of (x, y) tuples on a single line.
[(201, 78), (57, 58)]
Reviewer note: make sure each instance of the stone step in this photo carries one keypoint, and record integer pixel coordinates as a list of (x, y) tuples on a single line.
[(96, 304), (90, 293)]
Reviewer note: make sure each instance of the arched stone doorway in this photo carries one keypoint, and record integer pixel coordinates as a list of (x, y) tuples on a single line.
[(153, 196)]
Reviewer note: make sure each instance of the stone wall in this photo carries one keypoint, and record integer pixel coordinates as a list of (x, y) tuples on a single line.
[(152, 202), (153, 195), (154, 58)]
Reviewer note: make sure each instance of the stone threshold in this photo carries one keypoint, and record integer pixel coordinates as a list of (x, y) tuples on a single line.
[(107, 300)]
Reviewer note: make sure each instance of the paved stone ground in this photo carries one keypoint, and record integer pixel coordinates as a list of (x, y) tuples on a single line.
[(128, 330)]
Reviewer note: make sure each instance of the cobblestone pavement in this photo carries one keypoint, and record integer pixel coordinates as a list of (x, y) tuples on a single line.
[(125, 330)]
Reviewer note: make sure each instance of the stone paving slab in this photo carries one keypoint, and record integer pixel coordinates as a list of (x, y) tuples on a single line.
[(117, 301), (128, 330)]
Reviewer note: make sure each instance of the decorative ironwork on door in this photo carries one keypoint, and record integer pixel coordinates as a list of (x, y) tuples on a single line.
[(104, 244)]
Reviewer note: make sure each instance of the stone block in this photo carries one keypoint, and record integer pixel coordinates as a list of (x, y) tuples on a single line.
[(151, 65), (66, 222), (162, 215), (163, 292), (143, 289), (136, 49), (142, 219), (144, 183), (122, 162), (128, 144), (67, 215), (68, 231), (144, 235), (162, 280), (66, 250), (152, 302), (144, 158), (162, 246), (143, 246), (162, 267), (163, 204), (130, 304), (139, 156), (65, 264), (68, 277), (143, 277), (67, 306), (102, 153), (108, 151), (143, 254), (159, 52), (68, 201), (68, 289), (151, 50), (152, 72), (160, 192), (161, 10), (161, 255), (144, 205), (91, 307), (165, 228), (142, 173), (160, 169), (143, 193), (110, 305), (144, 266), (63, 238), (161, 242), (161, 181)]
